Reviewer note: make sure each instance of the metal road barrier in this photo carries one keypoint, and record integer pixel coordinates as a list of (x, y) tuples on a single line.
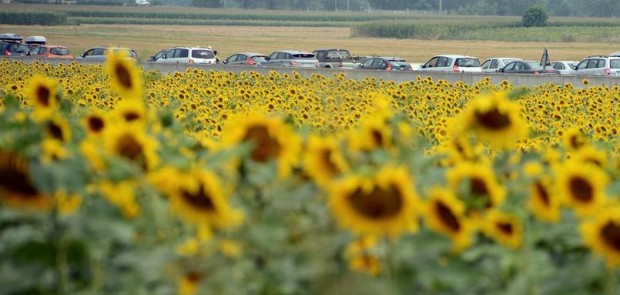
[(359, 74)]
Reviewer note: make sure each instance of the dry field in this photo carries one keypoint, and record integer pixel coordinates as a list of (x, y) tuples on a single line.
[(147, 40)]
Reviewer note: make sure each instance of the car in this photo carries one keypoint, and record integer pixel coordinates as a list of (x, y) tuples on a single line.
[(452, 63), (385, 63), (246, 59), (157, 55), (566, 67), (189, 55), (292, 58), (527, 67), (335, 58), (601, 65), (493, 64), (100, 53), (50, 51), (11, 45)]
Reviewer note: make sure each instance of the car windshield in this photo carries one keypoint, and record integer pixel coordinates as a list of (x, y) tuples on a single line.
[(344, 54), (399, 63), (467, 62), (59, 51), (614, 63), (197, 53), (303, 55)]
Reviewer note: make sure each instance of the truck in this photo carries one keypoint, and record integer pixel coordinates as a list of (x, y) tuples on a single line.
[(335, 58)]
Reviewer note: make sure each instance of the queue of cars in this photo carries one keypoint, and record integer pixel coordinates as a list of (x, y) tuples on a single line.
[(332, 58)]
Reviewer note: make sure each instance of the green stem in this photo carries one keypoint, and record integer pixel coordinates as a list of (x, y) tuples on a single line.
[(611, 282), (60, 263)]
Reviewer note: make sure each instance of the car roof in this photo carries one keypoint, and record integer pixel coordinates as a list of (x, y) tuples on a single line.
[(294, 51), (248, 53), (454, 56), (391, 58)]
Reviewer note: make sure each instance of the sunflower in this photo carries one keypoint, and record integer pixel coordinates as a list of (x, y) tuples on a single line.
[(126, 78), (324, 160), (198, 197), (271, 139), (121, 195), (602, 235), (130, 111), (384, 204), (574, 139), (504, 228), (95, 123), (446, 215), (58, 129), (591, 155), (16, 186), (42, 92), (365, 263), (581, 186), (373, 134), (475, 184), (543, 201), (131, 143), (495, 120), (188, 283)]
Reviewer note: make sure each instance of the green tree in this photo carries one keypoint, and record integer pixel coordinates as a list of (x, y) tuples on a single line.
[(535, 16)]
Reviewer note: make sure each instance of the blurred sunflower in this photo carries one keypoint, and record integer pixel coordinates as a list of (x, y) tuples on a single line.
[(495, 120), (324, 159), (446, 215), (122, 196), (589, 154), (504, 228), (475, 184), (543, 201), (271, 139), (365, 263), (16, 186), (126, 78), (188, 283), (198, 197), (42, 92), (581, 186), (373, 133), (133, 144), (58, 129), (130, 111), (574, 139), (602, 235), (95, 123), (384, 204)]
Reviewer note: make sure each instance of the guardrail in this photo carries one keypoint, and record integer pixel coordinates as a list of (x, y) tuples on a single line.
[(359, 74)]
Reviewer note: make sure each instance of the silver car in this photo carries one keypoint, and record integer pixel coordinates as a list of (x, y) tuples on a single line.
[(566, 67), (246, 59), (189, 55), (100, 53), (292, 58), (493, 64), (599, 66), (452, 64)]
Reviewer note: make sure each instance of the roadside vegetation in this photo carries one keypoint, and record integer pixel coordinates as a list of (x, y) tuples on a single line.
[(400, 25)]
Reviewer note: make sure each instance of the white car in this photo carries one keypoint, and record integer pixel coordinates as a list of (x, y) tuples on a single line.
[(599, 66), (493, 64), (189, 55), (452, 64), (566, 67)]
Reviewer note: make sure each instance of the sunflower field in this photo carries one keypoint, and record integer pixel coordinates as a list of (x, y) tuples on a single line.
[(115, 180)]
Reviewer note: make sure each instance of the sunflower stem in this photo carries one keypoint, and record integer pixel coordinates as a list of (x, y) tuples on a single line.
[(611, 282), (60, 263)]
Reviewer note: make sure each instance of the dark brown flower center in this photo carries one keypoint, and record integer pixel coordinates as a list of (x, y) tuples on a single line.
[(542, 194), (266, 147), (479, 191), (493, 119), (610, 233), (377, 204), (131, 116), (43, 95), (123, 76), (199, 200), (55, 131), (505, 227), (95, 124), (377, 137), (14, 176), (130, 148), (447, 217), (330, 167), (581, 189)]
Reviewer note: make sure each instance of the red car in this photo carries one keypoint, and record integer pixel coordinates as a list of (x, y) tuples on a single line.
[(50, 51)]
